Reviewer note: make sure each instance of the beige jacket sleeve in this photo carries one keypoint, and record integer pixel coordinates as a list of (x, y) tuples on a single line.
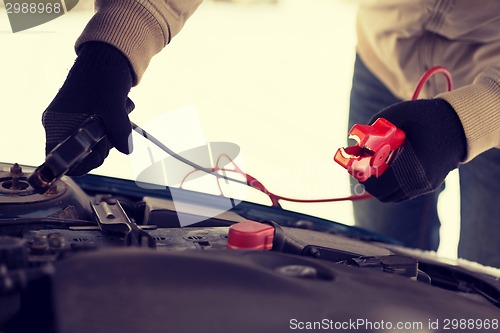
[(401, 39), (138, 28), (478, 107)]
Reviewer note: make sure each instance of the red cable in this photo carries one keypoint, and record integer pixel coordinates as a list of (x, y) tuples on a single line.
[(253, 182), (428, 74), (256, 184)]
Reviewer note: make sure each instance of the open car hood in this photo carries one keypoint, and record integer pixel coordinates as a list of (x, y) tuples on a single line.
[(100, 254)]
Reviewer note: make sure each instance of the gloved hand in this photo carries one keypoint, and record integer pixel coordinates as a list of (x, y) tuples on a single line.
[(435, 144), (97, 84)]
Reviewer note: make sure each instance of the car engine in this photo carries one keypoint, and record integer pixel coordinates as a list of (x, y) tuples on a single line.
[(100, 254)]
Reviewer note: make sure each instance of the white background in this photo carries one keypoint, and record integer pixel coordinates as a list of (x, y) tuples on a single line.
[(274, 78)]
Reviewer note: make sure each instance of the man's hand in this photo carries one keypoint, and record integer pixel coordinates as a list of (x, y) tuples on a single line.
[(435, 144), (97, 84)]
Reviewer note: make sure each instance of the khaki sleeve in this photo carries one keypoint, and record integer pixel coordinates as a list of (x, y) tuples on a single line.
[(138, 28), (478, 107)]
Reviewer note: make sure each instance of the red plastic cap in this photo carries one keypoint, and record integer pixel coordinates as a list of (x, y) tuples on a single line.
[(250, 235)]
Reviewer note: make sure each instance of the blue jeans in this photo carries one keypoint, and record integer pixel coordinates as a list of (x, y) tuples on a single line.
[(415, 223)]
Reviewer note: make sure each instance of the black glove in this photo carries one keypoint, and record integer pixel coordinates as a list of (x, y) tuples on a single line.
[(97, 84), (435, 144)]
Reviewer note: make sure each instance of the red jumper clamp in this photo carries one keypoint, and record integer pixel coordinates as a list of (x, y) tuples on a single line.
[(375, 148)]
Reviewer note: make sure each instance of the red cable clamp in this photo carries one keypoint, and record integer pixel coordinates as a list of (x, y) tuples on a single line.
[(375, 148)]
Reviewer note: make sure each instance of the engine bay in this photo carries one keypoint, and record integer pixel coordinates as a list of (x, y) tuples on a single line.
[(100, 254)]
